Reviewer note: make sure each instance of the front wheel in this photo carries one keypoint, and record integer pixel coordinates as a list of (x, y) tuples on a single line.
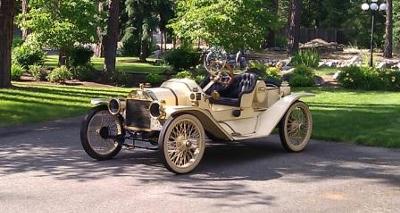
[(182, 144), (102, 134), (295, 128)]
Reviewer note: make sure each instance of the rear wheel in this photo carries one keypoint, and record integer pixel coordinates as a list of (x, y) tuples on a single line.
[(182, 144), (296, 127), (102, 134)]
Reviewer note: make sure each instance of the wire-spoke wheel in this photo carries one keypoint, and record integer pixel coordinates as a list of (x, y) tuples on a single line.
[(101, 134), (296, 127), (182, 144)]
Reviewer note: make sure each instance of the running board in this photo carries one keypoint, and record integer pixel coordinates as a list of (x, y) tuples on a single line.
[(141, 144)]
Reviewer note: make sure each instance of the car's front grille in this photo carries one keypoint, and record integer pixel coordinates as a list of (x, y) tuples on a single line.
[(137, 114)]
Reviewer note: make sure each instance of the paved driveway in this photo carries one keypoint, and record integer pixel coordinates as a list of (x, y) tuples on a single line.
[(43, 169)]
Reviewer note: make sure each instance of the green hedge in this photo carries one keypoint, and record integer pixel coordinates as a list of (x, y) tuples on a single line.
[(366, 78)]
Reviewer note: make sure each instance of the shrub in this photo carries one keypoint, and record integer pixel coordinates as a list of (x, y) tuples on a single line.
[(154, 78), (302, 76), (86, 73), (120, 78), (80, 56), (60, 75), (17, 42), (182, 58), (16, 72), (258, 65), (272, 72), (29, 54), (364, 78), (301, 81), (309, 58), (392, 79), (38, 72), (184, 74), (273, 76), (199, 78), (305, 71)]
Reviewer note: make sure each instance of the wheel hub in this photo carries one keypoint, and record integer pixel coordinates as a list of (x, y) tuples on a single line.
[(104, 132)]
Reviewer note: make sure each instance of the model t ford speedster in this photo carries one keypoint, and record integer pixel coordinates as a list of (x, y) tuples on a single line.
[(180, 116)]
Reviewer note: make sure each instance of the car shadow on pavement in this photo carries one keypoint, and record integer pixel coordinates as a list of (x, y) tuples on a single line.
[(223, 173)]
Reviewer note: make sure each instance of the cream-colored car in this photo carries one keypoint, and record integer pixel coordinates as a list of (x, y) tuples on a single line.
[(179, 117)]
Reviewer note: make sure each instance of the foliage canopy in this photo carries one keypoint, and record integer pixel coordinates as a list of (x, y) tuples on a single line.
[(232, 24), (59, 24)]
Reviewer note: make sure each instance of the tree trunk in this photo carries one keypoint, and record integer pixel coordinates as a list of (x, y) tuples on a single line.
[(62, 57), (145, 42), (388, 51), (7, 9), (165, 41), (99, 46), (111, 38), (161, 41), (270, 38), (294, 27), (24, 10)]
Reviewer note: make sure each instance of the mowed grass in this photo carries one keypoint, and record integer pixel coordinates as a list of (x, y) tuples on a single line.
[(34, 102), (124, 64), (368, 118)]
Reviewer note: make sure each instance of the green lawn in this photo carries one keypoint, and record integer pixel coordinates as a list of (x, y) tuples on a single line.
[(124, 64), (33, 102), (369, 118)]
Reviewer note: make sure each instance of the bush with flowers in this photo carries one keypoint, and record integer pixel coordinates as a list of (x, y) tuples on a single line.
[(366, 78)]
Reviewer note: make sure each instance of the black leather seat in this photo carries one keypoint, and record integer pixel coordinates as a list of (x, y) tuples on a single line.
[(232, 95)]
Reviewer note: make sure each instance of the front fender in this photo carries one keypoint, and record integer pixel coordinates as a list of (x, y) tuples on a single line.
[(269, 119), (208, 122), (99, 101)]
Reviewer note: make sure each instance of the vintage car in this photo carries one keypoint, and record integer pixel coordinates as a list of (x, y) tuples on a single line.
[(180, 116)]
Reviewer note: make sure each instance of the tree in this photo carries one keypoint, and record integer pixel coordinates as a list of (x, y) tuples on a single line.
[(7, 9), (24, 10), (143, 19), (231, 24), (60, 24), (388, 49), (99, 51), (294, 26), (166, 11), (111, 38), (396, 15)]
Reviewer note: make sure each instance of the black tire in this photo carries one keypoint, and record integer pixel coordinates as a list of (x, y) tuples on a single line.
[(287, 143), (197, 155), (85, 141)]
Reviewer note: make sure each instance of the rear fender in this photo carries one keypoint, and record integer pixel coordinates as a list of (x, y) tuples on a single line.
[(269, 119)]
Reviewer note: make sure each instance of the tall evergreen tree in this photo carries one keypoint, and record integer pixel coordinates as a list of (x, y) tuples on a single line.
[(7, 10)]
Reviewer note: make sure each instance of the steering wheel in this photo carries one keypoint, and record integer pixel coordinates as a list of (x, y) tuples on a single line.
[(216, 65)]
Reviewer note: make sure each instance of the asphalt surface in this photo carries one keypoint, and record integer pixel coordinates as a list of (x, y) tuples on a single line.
[(44, 169)]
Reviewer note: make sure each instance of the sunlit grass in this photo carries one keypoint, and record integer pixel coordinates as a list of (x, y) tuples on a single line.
[(124, 64), (33, 102), (369, 118)]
